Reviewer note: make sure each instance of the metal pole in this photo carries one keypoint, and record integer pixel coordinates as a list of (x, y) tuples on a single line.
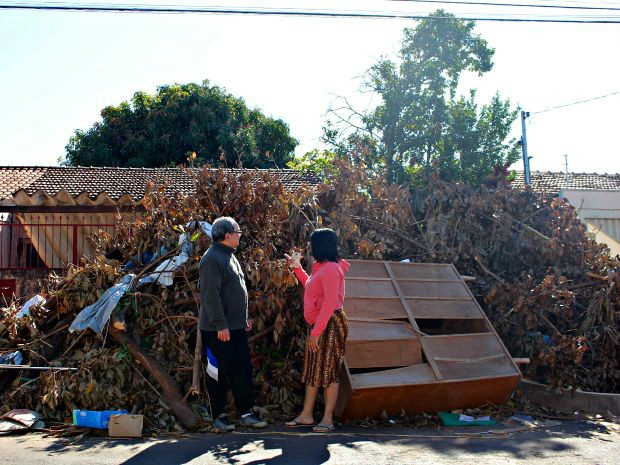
[(27, 367), (526, 158)]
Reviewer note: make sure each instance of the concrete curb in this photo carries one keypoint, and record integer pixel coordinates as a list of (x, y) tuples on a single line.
[(589, 402)]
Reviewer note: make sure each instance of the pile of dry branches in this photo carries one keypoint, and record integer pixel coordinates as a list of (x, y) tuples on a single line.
[(550, 291)]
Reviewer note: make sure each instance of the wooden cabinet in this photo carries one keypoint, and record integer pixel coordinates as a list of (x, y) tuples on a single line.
[(419, 342)]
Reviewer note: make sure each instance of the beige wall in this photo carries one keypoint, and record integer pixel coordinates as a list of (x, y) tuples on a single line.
[(600, 211)]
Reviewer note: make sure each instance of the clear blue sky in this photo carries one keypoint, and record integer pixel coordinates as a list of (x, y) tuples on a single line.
[(58, 70)]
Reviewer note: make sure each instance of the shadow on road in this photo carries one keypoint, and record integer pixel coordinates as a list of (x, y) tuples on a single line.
[(280, 445)]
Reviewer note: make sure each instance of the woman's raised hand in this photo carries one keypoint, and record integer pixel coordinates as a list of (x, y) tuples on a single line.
[(294, 260)]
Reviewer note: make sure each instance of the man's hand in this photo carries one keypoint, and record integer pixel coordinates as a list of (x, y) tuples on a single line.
[(313, 343), (248, 325), (223, 335)]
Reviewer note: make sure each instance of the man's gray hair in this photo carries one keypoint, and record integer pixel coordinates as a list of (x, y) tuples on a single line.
[(221, 227)]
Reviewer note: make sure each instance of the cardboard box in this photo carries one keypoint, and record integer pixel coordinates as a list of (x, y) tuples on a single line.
[(93, 418), (125, 426)]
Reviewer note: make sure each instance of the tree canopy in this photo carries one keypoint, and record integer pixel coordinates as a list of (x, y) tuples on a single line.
[(421, 125), (165, 128)]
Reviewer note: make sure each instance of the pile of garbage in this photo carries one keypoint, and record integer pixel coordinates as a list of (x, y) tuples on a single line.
[(120, 330), (126, 321), (549, 289)]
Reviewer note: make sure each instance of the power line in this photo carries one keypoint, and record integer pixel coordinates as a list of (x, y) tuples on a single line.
[(512, 5), (575, 103), (149, 9), (616, 5)]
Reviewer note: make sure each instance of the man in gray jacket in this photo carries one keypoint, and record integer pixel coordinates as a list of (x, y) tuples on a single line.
[(224, 322)]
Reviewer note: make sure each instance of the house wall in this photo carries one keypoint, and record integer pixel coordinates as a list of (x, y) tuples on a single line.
[(600, 211)]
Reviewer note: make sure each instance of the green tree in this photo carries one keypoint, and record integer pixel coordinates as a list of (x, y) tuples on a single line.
[(317, 162), (163, 129), (420, 124)]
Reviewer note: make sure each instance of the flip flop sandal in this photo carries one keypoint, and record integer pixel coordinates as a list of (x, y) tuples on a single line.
[(320, 428), (294, 423)]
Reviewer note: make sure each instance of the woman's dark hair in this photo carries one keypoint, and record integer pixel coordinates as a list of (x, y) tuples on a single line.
[(324, 243)]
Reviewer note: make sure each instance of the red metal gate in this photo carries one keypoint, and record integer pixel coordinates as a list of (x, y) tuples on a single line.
[(36, 246)]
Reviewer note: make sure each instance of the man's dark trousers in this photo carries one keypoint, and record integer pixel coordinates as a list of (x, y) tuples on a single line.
[(234, 369)]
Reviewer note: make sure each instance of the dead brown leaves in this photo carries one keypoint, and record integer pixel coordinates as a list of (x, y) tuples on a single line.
[(550, 291)]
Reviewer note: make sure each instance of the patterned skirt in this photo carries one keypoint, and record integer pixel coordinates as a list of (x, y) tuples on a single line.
[(322, 368)]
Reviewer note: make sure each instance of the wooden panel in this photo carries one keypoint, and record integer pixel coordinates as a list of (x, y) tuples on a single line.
[(483, 369), (374, 308), (433, 289), (423, 271), (433, 309), (368, 331), (411, 318), (362, 269), (345, 391), (470, 346), (424, 398), (363, 288), (416, 374), (380, 354)]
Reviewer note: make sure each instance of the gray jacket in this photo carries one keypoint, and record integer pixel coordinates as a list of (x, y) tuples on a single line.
[(223, 295)]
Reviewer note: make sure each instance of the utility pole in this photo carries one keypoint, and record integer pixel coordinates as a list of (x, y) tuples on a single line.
[(565, 171), (526, 158)]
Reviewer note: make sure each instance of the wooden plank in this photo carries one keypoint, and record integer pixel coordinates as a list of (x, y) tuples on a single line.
[(481, 369), (416, 264), (484, 333), (419, 280), (459, 309), (411, 270), (368, 331), (426, 397), (373, 320), (407, 376), (464, 345), (345, 390), (450, 299), (374, 308), (469, 360), (357, 288), (414, 324), (345, 373), (380, 354), (433, 289), (366, 270)]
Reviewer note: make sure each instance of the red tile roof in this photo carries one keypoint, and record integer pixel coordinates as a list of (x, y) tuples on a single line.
[(553, 183), (11, 180), (116, 182)]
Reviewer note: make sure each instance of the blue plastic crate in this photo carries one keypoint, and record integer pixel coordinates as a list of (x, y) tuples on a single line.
[(94, 419)]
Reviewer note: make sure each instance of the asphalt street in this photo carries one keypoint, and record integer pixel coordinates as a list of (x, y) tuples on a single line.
[(572, 442)]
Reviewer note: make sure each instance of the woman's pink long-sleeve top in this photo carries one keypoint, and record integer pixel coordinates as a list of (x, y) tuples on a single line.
[(324, 292)]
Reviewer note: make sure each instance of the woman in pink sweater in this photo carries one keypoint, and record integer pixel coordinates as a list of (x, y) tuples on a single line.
[(323, 301)]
